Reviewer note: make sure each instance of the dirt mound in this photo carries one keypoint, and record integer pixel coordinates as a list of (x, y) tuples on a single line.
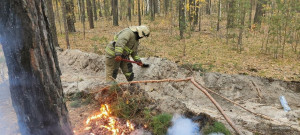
[(85, 71)]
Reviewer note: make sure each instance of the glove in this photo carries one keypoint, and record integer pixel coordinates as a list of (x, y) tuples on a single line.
[(118, 58), (140, 63)]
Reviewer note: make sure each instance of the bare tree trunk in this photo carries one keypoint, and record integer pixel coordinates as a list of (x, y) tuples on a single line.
[(106, 8), (129, 10), (95, 10), (132, 8), (100, 9), (200, 18), (208, 6), (242, 25), (34, 74), (90, 13), (51, 18), (139, 12), (181, 18), (166, 6), (259, 11), (83, 16), (69, 4), (219, 15), (115, 13), (250, 15), (63, 7), (152, 10), (57, 14), (196, 15)]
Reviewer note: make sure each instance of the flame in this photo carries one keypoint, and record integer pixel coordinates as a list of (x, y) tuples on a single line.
[(112, 125), (130, 125)]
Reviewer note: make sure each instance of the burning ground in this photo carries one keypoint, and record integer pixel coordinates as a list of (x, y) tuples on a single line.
[(85, 72)]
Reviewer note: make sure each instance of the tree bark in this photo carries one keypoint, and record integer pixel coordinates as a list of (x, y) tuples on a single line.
[(181, 18), (259, 11), (129, 10), (89, 10), (63, 7), (152, 10), (95, 10), (166, 7), (219, 15), (69, 4), (242, 25), (139, 12), (57, 15), (50, 16), (208, 6), (100, 9), (196, 15), (115, 13), (34, 73), (82, 12), (250, 14)]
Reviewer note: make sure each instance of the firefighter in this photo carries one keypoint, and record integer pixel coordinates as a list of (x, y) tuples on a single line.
[(125, 44)]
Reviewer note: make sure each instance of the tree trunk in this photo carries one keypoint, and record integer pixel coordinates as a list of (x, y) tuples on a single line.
[(152, 10), (57, 15), (129, 10), (181, 18), (166, 7), (200, 18), (208, 2), (63, 7), (95, 10), (230, 14), (106, 8), (242, 25), (70, 15), (83, 16), (100, 9), (139, 12), (51, 18), (34, 75), (89, 10), (250, 14), (259, 11), (115, 13), (132, 6), (196, 15), (191, 10), (219, 15)]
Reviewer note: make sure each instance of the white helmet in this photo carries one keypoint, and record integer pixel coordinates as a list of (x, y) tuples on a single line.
[(143, 30)]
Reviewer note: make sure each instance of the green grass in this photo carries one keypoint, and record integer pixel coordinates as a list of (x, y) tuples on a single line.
[(160, 123), (217, 127), (75, 104)]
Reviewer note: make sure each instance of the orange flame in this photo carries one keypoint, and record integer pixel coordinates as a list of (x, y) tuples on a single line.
[(112, 125)]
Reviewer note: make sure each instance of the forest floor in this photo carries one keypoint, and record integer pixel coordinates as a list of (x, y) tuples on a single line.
[(205, 50), (84, 72)]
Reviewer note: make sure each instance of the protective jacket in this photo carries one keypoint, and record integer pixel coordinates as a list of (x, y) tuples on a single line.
[(125, 44)]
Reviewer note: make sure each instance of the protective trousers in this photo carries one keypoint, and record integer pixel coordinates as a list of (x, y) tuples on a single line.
[(112, 67)]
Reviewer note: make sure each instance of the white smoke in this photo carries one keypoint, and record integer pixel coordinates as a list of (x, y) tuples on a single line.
[(183, 126)]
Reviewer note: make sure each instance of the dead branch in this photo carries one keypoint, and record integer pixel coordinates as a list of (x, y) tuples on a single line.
[(146, 81), (218, 106), (258, 90), (257, 114)]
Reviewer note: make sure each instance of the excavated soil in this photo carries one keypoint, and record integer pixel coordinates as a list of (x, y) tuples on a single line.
[(86, 72)]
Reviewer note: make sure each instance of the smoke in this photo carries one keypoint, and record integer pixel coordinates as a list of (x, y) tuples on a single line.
[(183, 126)]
